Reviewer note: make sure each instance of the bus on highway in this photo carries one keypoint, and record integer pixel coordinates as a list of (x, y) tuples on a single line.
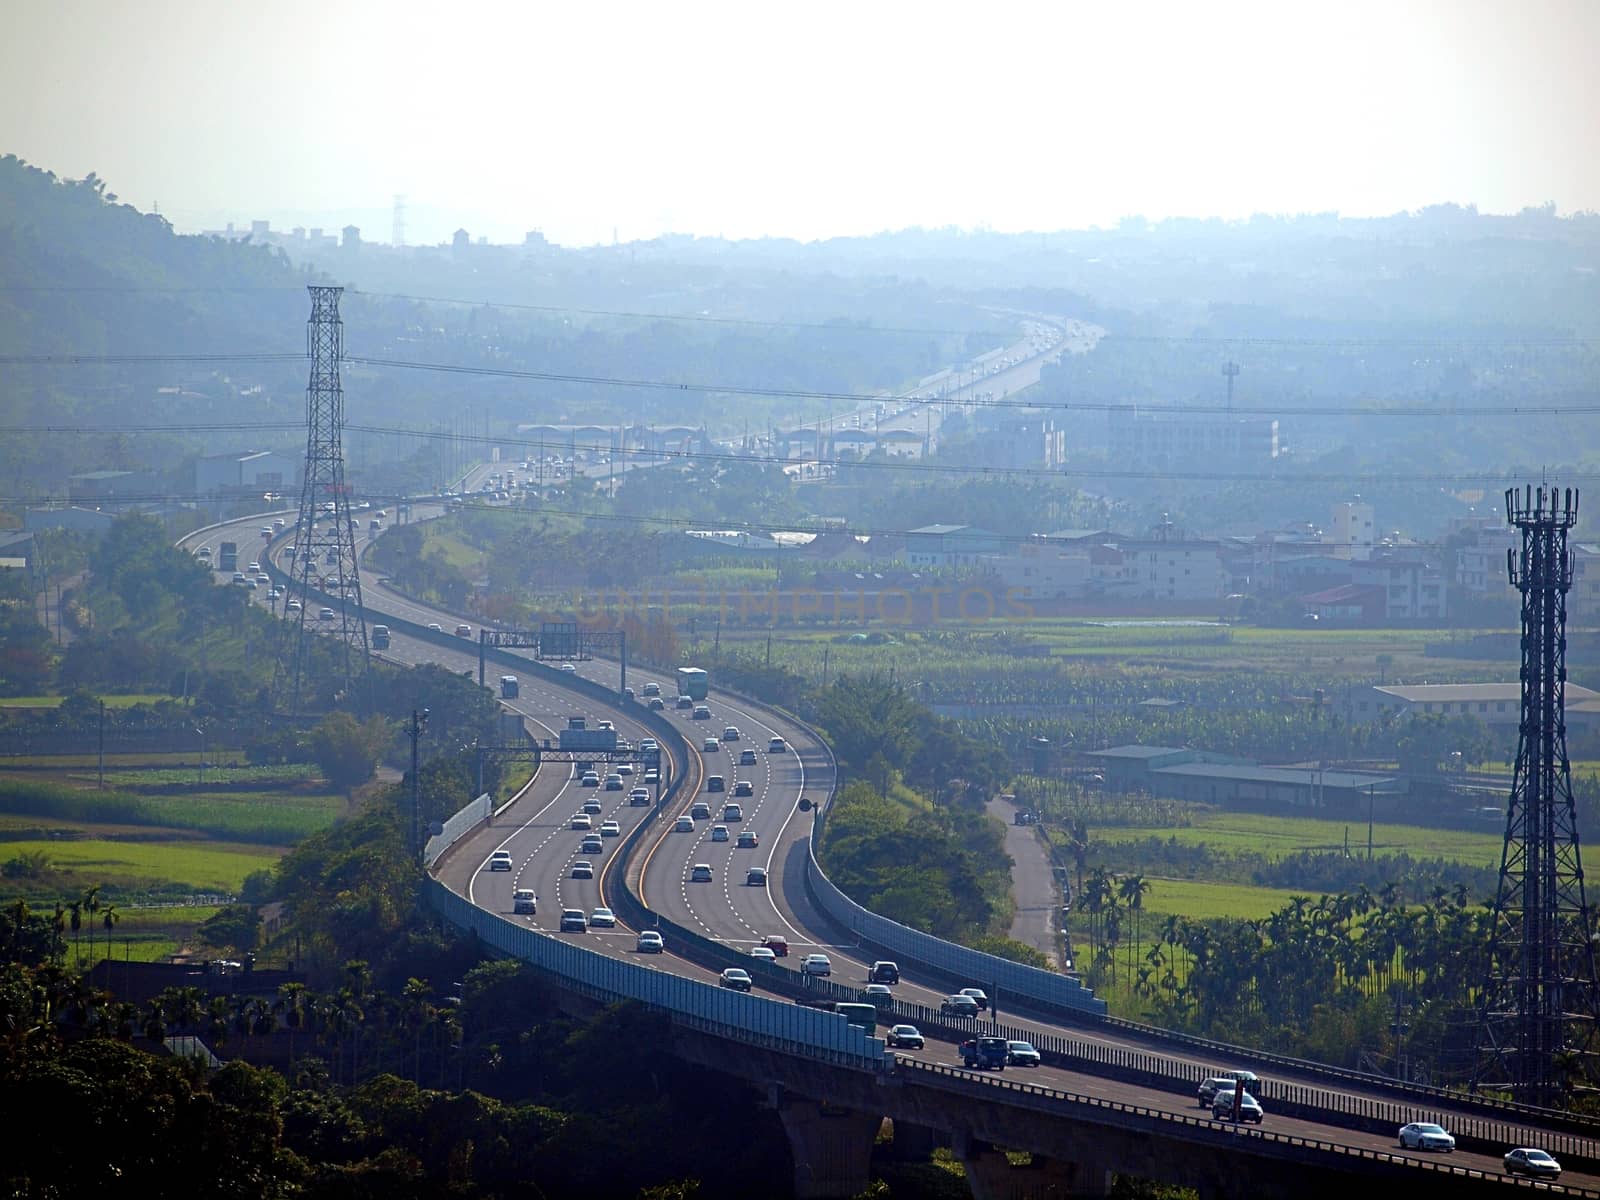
[(693, 682)]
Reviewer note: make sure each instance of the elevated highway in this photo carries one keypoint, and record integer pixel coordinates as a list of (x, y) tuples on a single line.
[(1099, 1076)]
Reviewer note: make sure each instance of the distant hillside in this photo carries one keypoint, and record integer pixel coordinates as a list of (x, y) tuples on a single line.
[(81, 273)]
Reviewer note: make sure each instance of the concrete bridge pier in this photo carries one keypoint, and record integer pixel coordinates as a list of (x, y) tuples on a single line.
[(991, 1176), (831, 1146), (915, 1143)]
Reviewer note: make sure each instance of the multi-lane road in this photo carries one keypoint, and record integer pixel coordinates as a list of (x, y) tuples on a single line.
[(536, 831)]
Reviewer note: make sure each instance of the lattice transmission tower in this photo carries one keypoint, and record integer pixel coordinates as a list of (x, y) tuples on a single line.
[(1538, 1010), (316, 653)]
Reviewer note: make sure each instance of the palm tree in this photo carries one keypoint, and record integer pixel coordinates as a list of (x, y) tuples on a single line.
[(155, 1024), (447, 1038), (183, 1007), (91, 905), (124, 1021), (109, 918), (76, 920), (216, 1018), (1131, 890), (291, 1003), (416, 1012)]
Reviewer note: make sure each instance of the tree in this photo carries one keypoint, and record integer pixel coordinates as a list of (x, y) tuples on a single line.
[(236, 927), (346, 751)]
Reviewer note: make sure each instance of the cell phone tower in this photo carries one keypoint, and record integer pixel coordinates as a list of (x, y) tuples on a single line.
[(324, 569), (1538, 1004)]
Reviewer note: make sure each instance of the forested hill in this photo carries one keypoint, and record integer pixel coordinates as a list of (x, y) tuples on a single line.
[(82, 273)]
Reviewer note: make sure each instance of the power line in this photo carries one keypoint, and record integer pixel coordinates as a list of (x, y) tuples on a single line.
[(843, 325), (91, 360), (1476, 341), (1367, 409), (935, 468), (722, 524), (1040, 405)]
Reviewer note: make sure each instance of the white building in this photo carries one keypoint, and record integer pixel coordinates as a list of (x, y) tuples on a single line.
[(1040, 570), (257, 470), (1481, 564), (1350, 532), (1174, 570), (1583, 601), (1156, 438), (1414, 589), (1492, 704)]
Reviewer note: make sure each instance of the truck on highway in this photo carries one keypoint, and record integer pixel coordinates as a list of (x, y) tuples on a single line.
[(380, 637), (984, 1053), (693, 682), (228, 556), (577, 736)]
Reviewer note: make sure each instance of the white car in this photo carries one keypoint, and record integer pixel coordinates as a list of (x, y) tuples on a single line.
[(566, 668), (650, 942), (500, 860), (610, 829), (685, 824), (764, 953), (700, 873), (816, 964), (581, 821), (1421, 1135), (719, 833), (602, 918)]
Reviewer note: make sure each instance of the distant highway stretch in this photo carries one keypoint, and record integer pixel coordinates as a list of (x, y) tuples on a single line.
[(536, 831)]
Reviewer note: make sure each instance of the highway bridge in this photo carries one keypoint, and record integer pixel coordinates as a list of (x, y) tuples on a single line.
[(1110, 1096)]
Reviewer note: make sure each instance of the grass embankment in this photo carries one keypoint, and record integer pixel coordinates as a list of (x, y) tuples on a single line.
[(274, 818)]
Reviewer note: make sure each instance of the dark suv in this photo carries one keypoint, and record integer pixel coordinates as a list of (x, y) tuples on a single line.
[(884, 972)]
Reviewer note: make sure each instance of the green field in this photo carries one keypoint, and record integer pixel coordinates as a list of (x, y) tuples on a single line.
[(1203, 901), (274, 816), (215, 776), (110, 701), (136, 867), (1278, 837), (140, 935)]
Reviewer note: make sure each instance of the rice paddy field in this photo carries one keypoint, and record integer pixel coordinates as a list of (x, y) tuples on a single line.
[(1277, 837), (144, 934), (1202, 901)]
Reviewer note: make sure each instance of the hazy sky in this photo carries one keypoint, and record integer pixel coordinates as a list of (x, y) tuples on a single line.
[(803, 120)]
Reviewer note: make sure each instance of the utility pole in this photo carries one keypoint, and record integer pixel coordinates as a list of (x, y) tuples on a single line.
[(1231, 370), (101, 784), (414, 728)]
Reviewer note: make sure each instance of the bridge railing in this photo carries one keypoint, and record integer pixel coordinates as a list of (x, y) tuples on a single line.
[(1367, 1113), (807, 1032), (1202, 1128), (458, 826)]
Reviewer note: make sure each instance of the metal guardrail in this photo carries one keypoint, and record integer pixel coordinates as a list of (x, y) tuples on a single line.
[(1226, 1132), (806, 1032), (460, 823), (1279, 1098)]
